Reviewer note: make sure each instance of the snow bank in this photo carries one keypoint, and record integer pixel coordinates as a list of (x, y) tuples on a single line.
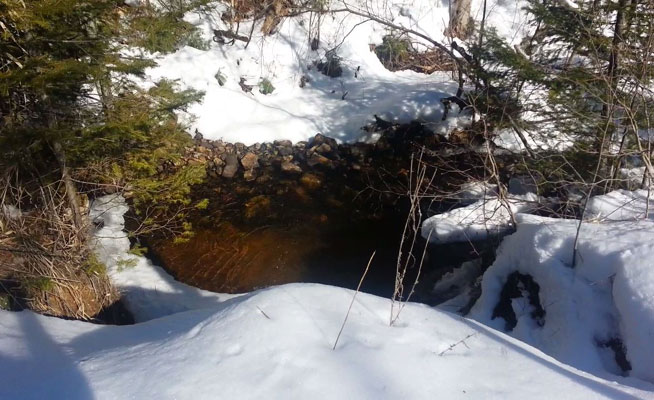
[(477, 221), (608, 295), (277, 343), (621, 205), (338, 107), (147, 290)]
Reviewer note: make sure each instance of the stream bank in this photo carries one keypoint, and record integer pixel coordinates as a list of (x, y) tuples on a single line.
[(315, 211)]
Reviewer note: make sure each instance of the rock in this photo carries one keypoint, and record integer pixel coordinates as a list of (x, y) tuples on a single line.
[(218, 161), (250, 175), (250, 161), (311, 181), (324, 148), (317, 140), (258, 206), (263, 179), (320, 139), (284, 147), (291, 168), (198, 136), (285, 151), (318, 159), (231, 166), (283, 143)]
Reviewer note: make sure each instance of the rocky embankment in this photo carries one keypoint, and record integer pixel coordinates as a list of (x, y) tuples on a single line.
[(322, 173), (309, 211)]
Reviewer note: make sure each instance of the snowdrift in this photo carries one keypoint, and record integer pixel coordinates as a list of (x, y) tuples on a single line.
[(277, 343), (608, 295)]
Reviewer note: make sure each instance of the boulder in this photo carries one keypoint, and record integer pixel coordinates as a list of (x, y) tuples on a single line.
[(250, 161), (291, 168), (231, 166)]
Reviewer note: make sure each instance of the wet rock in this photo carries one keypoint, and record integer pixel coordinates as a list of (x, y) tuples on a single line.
[(250, 161), (231, 166), (250, 175), (291, 168), (263, 179), (311, 181), (258, 206)]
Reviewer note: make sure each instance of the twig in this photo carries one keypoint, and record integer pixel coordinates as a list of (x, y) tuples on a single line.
[(453, 345), (354, 297), (263, 312)]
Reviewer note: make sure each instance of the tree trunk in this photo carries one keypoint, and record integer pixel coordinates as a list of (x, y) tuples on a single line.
[(71, 191), (608, 108), (460, 19)]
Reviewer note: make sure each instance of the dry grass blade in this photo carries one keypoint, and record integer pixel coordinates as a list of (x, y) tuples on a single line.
[(353, 298)]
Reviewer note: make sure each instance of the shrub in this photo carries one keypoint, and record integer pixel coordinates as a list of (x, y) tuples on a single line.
[(265, 86)]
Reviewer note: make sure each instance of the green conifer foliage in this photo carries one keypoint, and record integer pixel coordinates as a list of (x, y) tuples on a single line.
[(65, 83)]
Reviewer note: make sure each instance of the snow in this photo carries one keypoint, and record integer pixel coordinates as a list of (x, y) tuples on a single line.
[(277, 343), (486, 217), (609, 294), (472, 191), (338, 107), (621, 205), (147, 290), (10, 212)]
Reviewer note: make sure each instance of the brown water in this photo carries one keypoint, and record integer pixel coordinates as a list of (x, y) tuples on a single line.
[(227, 258)]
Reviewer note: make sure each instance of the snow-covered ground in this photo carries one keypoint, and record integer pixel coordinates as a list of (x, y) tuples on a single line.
[(277, 343), (488, 216), (339, 107), (608, 294)]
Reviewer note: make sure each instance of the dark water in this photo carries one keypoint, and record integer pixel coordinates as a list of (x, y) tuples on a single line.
[(236, 258), (229, 258)]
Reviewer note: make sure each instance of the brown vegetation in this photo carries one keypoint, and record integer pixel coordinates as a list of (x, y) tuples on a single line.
[(45, 264)]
